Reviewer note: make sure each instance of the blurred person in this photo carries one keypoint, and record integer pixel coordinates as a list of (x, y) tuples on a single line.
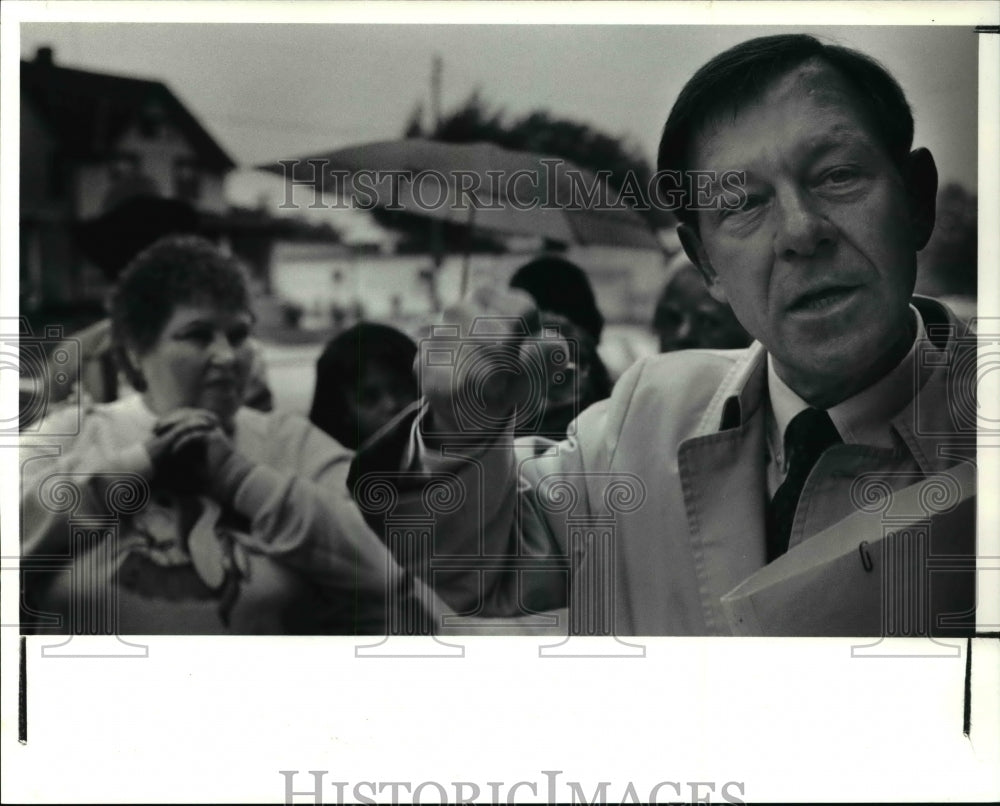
[(566, 300), (364, 378), (723, 468), (247, 528), (560, 286), (134, 216), (687, 316)]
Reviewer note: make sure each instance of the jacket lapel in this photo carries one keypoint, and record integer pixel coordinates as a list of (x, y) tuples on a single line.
[(722, 468), (722, 478), (939, 424)]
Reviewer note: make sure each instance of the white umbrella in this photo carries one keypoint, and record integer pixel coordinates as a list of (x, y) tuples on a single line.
[(511, 192)]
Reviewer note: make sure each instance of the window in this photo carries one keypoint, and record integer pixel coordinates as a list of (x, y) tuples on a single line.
[(187, 179), (123, 164)]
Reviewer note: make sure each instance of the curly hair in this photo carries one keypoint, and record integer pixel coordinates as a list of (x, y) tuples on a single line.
[(740, 75), (176, 270)]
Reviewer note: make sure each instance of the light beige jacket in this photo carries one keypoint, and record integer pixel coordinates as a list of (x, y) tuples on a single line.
[(664, 487)]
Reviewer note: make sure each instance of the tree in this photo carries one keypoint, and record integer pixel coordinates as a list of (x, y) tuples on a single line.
[(414, 126), (541, 132), (948, 265)]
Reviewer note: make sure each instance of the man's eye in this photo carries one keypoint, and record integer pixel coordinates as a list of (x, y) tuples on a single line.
[(238, 335), (839, 176), (670, 318), (370, 395), (750, 202), (198, 336)]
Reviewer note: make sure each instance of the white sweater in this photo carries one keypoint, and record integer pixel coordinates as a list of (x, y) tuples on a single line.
[(299, 529)]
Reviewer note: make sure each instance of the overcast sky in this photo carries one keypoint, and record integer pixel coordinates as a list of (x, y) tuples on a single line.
[(273, 91)]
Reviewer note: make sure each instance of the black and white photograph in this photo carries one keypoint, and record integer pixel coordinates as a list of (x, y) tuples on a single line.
[(500, 402)]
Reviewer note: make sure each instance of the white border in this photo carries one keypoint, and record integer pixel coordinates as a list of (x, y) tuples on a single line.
[(513, 12), (214, 721)]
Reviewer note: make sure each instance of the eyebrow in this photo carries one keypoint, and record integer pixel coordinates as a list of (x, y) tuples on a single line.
[(825, 144), (211, 323), (839, 137), (196, 323)]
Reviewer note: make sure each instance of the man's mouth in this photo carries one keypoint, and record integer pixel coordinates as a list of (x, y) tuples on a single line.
[(221, 383), (822, 299)]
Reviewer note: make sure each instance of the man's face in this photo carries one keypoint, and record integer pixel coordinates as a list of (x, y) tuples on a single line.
[(820, 261)]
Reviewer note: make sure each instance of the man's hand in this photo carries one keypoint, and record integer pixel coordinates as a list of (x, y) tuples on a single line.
[(471, 370)]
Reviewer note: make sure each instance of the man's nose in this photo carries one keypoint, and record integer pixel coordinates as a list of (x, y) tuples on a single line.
[(802, 229), (221, 351), (390, 403), (684, 328)]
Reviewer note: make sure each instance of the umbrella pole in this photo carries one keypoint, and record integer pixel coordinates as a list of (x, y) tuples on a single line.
[(463, 287)]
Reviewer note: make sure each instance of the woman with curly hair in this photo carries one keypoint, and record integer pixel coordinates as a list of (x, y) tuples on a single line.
[(240, 520)]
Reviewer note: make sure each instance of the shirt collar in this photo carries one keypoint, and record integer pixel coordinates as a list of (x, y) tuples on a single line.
[(864, 418)]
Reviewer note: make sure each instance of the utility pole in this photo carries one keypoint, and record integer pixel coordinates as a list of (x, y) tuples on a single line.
[(437, 240), (436, 67)]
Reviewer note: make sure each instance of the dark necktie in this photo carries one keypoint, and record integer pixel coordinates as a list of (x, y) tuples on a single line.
[(808, 434)]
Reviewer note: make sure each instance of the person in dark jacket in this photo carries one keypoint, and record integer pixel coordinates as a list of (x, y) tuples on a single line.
[(364, 378), (567, 303)]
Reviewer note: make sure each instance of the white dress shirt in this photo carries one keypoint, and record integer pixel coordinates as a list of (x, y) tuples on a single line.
[(864, 418)]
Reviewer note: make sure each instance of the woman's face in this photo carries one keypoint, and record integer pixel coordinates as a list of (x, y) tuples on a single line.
[(201, 359), (382, 392)]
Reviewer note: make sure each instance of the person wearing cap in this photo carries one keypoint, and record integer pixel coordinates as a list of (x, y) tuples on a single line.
[(712, 468), (564, 296), (364, 378)]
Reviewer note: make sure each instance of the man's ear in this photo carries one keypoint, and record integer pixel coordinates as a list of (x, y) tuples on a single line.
[(696, 253), (921, 188)]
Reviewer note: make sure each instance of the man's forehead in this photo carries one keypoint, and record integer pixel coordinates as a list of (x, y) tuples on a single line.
[(206, 309), (816, 79)]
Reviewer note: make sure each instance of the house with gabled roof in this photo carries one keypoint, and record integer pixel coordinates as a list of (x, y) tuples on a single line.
[(88, 140)]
